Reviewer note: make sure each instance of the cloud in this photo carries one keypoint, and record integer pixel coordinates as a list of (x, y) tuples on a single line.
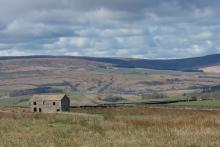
[(203, 35), (13, 52), (118, 28)]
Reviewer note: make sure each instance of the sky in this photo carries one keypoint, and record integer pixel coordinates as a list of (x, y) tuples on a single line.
[(151, 29)]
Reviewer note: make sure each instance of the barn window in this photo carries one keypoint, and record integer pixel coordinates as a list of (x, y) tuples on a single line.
[(35, 103), (54, 103), (58, 110), (39, 109), (35, 109), (43, 102)]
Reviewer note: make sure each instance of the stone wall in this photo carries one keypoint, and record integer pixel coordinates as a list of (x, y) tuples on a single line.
[(46, 106)]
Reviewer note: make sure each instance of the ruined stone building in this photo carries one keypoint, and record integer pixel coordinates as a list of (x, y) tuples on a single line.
[(50, 103)]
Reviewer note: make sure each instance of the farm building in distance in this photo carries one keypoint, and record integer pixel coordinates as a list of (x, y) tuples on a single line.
[(50, 103)]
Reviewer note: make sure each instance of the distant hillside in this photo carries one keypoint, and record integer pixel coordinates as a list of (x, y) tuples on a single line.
[(187, 64), (90, 80)]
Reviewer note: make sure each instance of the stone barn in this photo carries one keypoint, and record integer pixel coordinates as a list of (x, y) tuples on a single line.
[(50, 103)]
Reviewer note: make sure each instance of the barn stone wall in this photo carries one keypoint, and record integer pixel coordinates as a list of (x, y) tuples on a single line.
[(49, 105), (46, 106)]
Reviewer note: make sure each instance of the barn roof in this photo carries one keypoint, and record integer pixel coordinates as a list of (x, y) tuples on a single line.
[(48, 97)]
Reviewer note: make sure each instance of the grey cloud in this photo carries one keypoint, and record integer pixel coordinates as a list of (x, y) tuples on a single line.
[(128, 28)]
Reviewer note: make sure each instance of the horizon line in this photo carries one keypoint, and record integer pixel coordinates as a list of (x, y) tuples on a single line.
[(105, 57)]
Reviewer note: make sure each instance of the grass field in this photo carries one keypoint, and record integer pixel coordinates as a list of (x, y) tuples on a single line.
[(127, 126), (17, 101), (208, 103)]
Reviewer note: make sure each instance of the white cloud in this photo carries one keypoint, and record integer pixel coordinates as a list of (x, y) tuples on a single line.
[(203, 13), (70, 42), (203, 35), (122, 52), (25, 28), (102, 14), (209, 43), (13, 53), (72, 54), (127, 28), (196, 49), (138, 56)]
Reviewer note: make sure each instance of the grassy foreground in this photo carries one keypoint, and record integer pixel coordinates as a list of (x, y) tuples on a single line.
[(127, 126)]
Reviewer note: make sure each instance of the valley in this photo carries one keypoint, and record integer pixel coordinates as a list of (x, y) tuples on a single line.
[(90, 82)]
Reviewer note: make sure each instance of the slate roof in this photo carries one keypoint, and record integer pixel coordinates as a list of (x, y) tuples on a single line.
[(48, 97)]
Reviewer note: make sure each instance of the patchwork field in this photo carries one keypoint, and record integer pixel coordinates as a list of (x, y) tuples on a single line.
[(127, 126), (89, 82)]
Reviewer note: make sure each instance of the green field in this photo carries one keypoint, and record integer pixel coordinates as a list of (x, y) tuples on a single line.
[(208, 103), (16, 101)]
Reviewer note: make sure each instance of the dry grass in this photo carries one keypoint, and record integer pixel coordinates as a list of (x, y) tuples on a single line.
[(128, 126)]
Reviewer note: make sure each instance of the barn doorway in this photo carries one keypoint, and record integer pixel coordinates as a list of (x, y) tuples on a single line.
[(35, 109), (39, 109), (58, 110)]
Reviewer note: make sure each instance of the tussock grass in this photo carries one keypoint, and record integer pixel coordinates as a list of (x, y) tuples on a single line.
[(127, 126)]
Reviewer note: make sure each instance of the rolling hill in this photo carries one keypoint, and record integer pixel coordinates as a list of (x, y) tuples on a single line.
[(90, 80), (186, 64)]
